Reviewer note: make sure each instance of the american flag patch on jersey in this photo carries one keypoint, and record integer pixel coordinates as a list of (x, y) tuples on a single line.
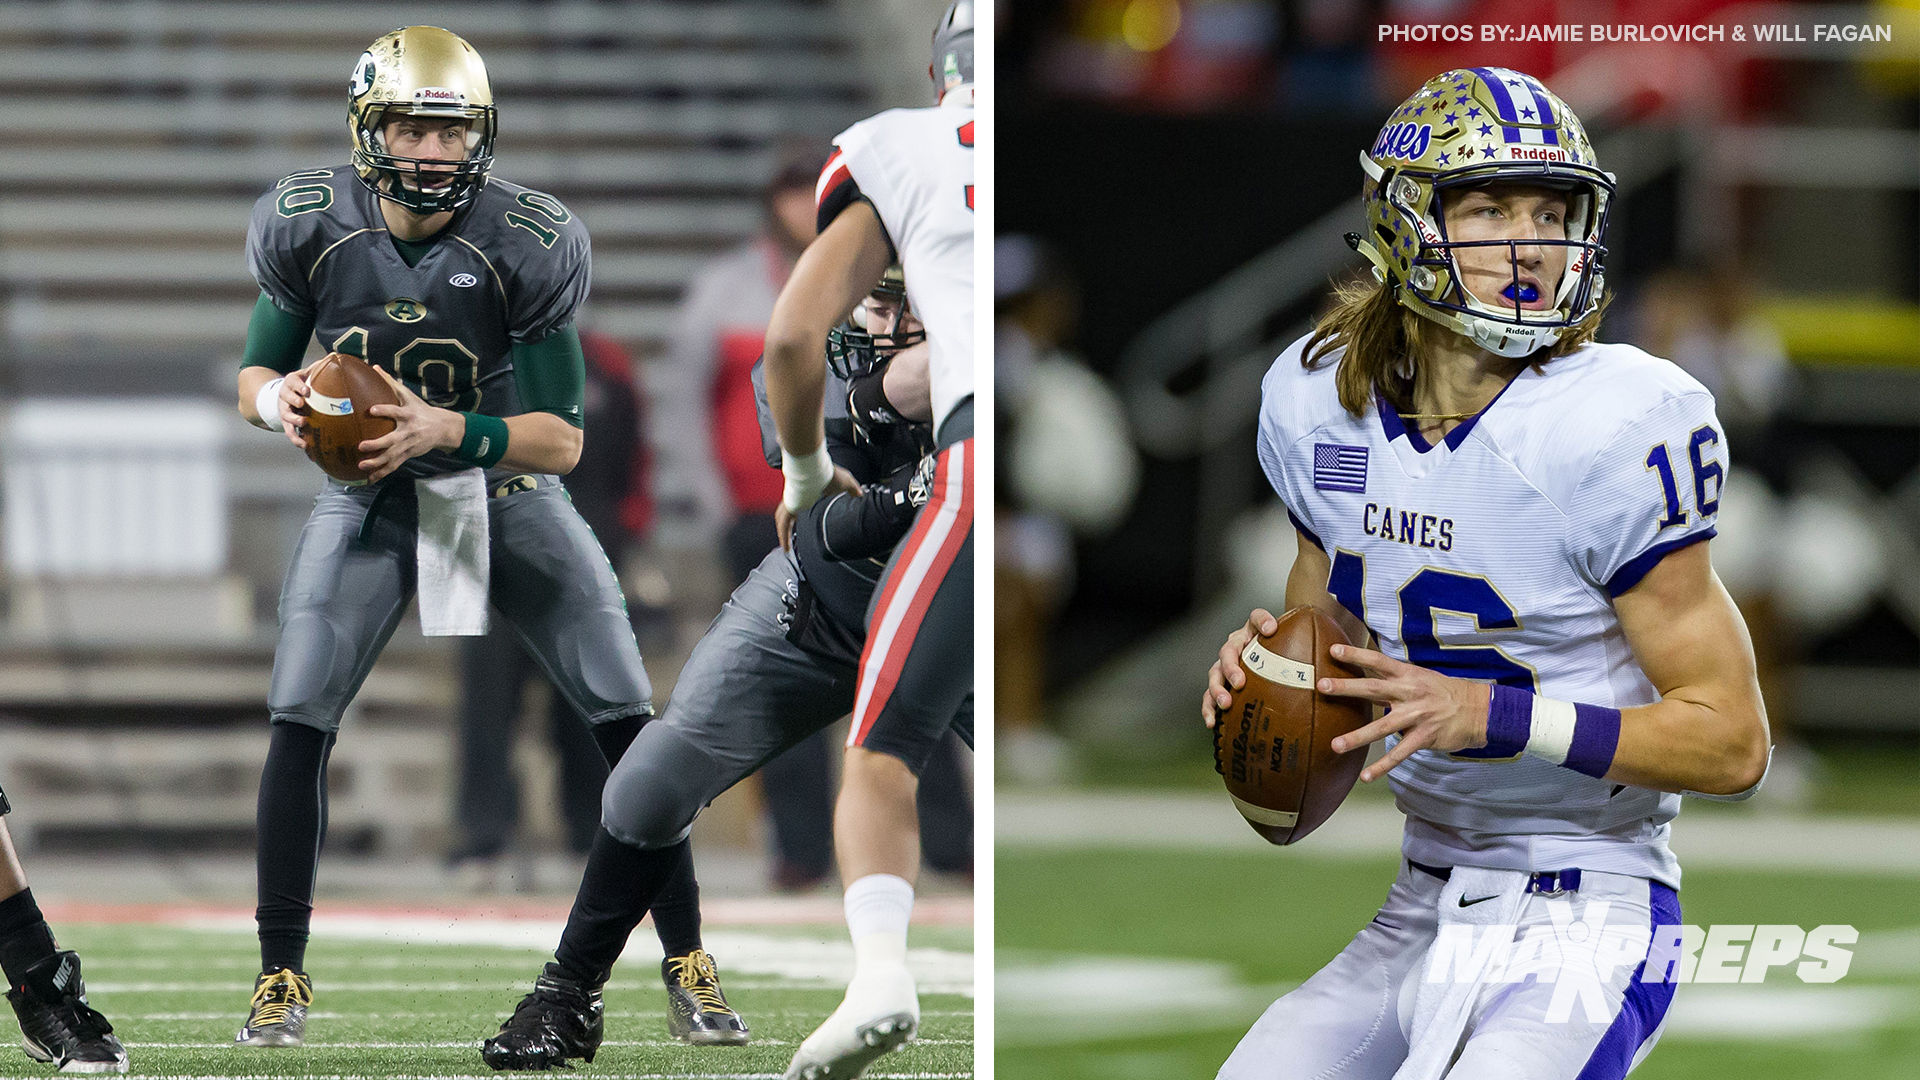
[(1340, 468)]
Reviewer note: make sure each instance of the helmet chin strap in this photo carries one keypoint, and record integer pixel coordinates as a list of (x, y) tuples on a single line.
[(1501, 341)]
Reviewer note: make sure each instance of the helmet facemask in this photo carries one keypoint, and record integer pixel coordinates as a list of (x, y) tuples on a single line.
[(405, 180), (855, 351)]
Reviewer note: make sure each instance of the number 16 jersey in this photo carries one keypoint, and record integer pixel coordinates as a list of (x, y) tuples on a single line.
[(1495, 555), (511, 268)]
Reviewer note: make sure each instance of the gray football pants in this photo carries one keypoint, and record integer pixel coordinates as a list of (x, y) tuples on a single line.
[(745, 696), (550, 580)]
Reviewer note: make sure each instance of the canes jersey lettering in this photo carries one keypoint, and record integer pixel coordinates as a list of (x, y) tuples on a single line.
[(916, 167), (1494, 556), (509, 269)]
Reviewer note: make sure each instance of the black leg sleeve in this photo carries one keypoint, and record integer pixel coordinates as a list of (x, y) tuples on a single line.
[(620, 884), (25, 937), (292, 824), (614, 736), (583, 774), (676, 911)]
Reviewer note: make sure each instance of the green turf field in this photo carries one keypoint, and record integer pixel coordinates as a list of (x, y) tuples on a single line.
[(1213, 937), (176, 997)]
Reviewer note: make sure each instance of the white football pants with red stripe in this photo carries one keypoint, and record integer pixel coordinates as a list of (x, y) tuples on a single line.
[(916, 671)]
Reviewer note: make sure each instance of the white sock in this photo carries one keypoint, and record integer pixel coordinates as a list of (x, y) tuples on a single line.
[(879, 906)]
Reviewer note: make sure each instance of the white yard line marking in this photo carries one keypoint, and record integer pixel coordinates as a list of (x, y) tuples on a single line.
[(1078, 998), (612, 1014), (746, 911), (496, 1076), (474, 1044), (817, 961), (1790, 1012), (1204, 821)]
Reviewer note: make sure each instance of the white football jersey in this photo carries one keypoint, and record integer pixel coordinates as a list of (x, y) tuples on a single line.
[(1494, 555), (916, 167)]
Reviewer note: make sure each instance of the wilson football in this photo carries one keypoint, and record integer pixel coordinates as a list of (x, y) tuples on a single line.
[(340, 390), (1274, 746)]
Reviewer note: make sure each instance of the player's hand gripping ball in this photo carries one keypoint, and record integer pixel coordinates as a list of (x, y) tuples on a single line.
[(1273, 745), (340, 390)]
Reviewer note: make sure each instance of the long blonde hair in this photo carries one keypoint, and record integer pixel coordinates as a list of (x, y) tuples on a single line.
[(1386, 341)]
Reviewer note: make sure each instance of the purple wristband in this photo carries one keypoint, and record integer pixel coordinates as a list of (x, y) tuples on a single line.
[(1596, 731), (1596, 735), (1509, 721)]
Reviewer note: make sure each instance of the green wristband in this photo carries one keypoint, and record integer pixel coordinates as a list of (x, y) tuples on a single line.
[(485, 442)]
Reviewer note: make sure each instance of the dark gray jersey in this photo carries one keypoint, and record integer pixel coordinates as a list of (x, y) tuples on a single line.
[(511, 268)]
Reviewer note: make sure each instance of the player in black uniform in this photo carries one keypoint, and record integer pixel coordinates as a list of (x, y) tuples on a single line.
[(777, 665), (465, 288), (57, 1025)]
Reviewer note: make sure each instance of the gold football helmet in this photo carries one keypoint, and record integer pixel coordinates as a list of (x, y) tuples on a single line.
[(1464, 128), (421, 71)]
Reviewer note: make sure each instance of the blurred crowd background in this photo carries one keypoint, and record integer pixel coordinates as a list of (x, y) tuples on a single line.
[(147, 527), (1185, 169)]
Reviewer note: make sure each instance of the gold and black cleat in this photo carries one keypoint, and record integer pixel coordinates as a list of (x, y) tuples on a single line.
[(697, 1011), (279, 1014)]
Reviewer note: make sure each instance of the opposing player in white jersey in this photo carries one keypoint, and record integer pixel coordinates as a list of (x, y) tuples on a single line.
[(900, 182), (1519, 517)]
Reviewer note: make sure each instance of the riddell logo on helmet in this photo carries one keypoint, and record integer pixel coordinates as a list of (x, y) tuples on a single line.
[(1524, 153), (439, 95)]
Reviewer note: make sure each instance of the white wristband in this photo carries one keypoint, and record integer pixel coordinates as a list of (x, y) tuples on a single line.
[(267, 404), (1552, 734), (807, 477)]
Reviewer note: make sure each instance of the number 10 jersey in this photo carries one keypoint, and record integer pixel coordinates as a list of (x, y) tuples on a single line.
[(1495, 555), (511, 268)]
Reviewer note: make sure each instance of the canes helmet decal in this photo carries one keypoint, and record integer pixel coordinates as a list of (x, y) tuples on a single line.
[(427, 72), (1469, 128)]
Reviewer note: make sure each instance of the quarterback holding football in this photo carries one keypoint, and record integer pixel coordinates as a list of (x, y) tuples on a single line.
[(1518, 517), (460, 290)]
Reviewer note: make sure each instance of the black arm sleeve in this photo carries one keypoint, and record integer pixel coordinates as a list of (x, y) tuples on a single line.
[(868, 525)]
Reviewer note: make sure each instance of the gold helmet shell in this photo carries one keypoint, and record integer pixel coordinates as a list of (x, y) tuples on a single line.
[(420, 71), (1466, 128)]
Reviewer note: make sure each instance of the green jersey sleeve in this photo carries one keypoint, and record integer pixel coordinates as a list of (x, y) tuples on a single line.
[(551, 375), (276, 338)]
